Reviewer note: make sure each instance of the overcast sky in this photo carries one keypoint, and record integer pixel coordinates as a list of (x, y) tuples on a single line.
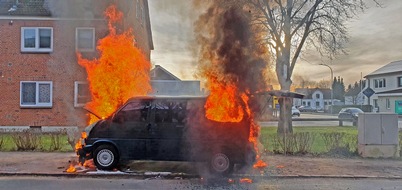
[(375, 40)]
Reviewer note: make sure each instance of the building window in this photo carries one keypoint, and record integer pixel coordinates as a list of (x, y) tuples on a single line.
[(399, 82), (81, 93), (387, 103), (85, 39), (36, 94), (379, 83), (317, 96), (317, 104), (36, 39), (375, 103), (309, 104)]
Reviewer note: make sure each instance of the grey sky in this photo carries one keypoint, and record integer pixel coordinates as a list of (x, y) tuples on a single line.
[(375, 40)]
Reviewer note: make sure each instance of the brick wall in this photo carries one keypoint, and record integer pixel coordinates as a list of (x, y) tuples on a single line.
[(59, 66)]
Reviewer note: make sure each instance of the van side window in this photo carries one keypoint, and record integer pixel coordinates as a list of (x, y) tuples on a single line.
[(134, 111), (170, 111)]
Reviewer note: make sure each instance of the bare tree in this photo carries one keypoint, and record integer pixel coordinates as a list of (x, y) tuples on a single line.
[(292, 25)]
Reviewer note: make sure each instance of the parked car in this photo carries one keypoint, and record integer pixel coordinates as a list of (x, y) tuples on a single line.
[(295, 112), (349, 114), (307, 109), (167, 129)]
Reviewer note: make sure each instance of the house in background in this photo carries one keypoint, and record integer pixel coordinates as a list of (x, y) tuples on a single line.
[(386, 82), (316, 98), (355, 96), (41, 81), (165, 83)]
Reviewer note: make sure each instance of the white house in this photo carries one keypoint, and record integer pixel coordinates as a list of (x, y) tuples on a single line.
[(316, 98), (386, 82), (165, 83)]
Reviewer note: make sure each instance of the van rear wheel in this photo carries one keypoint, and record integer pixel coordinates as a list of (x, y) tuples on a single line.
[(106, 157), (221, 164)]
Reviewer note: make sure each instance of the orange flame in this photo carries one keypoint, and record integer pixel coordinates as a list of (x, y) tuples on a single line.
[(246, 180), (78, 145), (71, 169), (121, 72), (221, 104)]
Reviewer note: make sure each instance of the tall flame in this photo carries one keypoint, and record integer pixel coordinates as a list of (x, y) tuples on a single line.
[(233, 64), (121, 72)]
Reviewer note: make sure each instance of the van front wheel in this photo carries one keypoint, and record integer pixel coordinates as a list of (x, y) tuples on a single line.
[(106, 157), (221, 164)]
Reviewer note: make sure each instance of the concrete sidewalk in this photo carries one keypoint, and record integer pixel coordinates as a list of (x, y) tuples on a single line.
[(55, 164)]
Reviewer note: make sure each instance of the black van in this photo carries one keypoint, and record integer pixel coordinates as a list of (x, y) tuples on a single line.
[(167, 129)]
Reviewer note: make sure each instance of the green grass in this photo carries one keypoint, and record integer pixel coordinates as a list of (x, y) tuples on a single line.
[(268, 133), (45, 143)]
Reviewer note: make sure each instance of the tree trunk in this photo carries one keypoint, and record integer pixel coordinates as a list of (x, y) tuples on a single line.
[(285, 116), (285, 104)]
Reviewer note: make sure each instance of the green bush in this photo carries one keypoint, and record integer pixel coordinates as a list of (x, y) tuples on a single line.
[(26, 140)]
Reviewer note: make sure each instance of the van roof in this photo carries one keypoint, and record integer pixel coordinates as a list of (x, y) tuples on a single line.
[(153, 97)]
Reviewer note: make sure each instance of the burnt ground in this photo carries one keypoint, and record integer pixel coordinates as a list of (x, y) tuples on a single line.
[(278, 165)]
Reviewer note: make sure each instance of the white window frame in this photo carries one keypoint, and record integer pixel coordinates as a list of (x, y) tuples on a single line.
[(76, 96), (93, 39), (37, 104), (380, 83), (36, 48)]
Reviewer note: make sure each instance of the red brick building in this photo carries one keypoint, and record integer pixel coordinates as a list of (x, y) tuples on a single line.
[(40, 80)]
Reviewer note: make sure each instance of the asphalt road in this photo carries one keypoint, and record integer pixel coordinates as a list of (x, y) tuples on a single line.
[(50, 183)]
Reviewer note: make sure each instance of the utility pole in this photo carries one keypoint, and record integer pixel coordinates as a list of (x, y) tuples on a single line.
[(332, 90)]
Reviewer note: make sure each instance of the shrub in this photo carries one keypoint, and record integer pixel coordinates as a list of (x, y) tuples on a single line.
[(300, 143), (26, 140), (332, 141), (1, 142), (56, 140)]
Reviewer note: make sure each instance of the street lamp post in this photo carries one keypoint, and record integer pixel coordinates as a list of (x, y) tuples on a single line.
[(332, 90)]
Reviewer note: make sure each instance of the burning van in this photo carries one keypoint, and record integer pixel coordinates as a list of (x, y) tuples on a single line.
[(167, 129)]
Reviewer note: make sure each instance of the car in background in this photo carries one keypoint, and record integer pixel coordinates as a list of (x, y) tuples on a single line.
[(349, 114), (295, 112), (307, 109)]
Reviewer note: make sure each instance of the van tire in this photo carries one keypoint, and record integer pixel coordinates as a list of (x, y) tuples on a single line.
[(220, 164), (106, 157)]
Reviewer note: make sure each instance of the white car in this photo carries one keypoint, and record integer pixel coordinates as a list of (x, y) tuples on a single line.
[(295, 112)]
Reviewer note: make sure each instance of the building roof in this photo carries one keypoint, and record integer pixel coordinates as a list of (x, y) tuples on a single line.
[(24, 8), (392, 67), (308, 92), (160, 73)]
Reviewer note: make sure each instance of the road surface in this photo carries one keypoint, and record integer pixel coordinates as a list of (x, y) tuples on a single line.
[(50, 183)]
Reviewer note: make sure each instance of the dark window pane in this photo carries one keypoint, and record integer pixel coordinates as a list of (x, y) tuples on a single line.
[(44, 93), (28, 93), (45, 38), (85, 39), (29, 38)]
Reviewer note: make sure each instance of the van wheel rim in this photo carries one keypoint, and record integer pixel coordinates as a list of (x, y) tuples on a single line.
[(220, 162), (105, 158)]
